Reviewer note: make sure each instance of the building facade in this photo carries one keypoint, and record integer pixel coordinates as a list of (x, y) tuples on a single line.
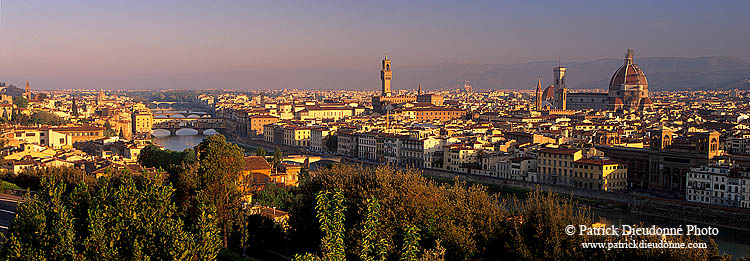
[(719, 185)]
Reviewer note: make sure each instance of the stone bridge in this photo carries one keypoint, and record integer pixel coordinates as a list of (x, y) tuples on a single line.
[(200, 124)]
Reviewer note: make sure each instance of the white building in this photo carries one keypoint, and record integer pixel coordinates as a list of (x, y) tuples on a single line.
[(719, 185), (739, 145), (43, 136), (318, 138)]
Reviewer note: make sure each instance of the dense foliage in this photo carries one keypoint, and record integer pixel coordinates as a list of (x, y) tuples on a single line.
[(274, 196), (20, 101), (344, 212), (123, 219), (418, 219), (32, 178), (153, 157)]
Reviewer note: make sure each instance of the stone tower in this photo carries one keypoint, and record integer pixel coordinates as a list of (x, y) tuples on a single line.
[(538, 102), (707, 144), (661, 138), (100, 97), (561, 93), (385, 77), (27, 93), (419, 90)]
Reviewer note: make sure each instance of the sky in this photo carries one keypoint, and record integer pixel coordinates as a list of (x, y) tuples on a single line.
[(105, 44)]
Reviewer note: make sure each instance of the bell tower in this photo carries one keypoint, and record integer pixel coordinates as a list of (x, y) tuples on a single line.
[(27, 92), (561, 93), (385, 77), (538, 103)]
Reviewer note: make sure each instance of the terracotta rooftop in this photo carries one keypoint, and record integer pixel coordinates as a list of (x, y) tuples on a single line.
[(256, 163)]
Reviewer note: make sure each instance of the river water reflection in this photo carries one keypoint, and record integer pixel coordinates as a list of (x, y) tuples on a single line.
[(178, 142)]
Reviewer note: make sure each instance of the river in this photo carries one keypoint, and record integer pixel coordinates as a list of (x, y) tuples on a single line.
[(733, 242), (178, 142)]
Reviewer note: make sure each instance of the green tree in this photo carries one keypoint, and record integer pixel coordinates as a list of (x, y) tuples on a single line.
[(372, 245), (220, 164), (153, 157), (207, 236), (124, 218), (46, 118), (277, 156), (453, 220), (331, 210), (260, 152), (20, 101), (130, 221), (410, 248), (274, 196), (43, 227)]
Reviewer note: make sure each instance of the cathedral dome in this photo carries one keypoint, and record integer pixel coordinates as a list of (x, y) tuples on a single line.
[(628, 74), (646, 101), (549, 92)]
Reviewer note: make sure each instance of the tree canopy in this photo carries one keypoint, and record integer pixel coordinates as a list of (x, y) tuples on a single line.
[(20, 101), (122, 219), (419, 219)]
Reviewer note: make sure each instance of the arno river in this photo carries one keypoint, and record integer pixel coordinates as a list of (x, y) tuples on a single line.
[(731, 242), (178, 142)]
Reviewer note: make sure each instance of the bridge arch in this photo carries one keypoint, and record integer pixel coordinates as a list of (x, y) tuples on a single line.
[(160, 132), (209, 132), (186, 132)]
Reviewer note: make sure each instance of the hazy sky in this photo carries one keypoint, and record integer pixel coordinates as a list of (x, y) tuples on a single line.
[(74, 43)]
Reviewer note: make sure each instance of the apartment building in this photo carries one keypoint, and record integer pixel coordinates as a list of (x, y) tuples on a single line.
[(739, 145), (719, 185), (600, 173), (297, 136), (258, 123), (555, 165), (456, 156), (318, 139), (523, 168), (142, 119), (323, 113), (442, 114), (367, 146), (347, 144)]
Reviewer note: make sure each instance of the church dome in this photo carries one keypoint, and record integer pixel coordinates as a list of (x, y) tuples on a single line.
[(646, 101), (549, 92), (618, 101), (628, 74)]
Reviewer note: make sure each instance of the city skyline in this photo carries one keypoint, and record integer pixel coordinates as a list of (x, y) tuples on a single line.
[(115, 46)]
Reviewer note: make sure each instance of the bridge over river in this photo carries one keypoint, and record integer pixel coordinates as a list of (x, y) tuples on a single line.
[(169, 122)]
